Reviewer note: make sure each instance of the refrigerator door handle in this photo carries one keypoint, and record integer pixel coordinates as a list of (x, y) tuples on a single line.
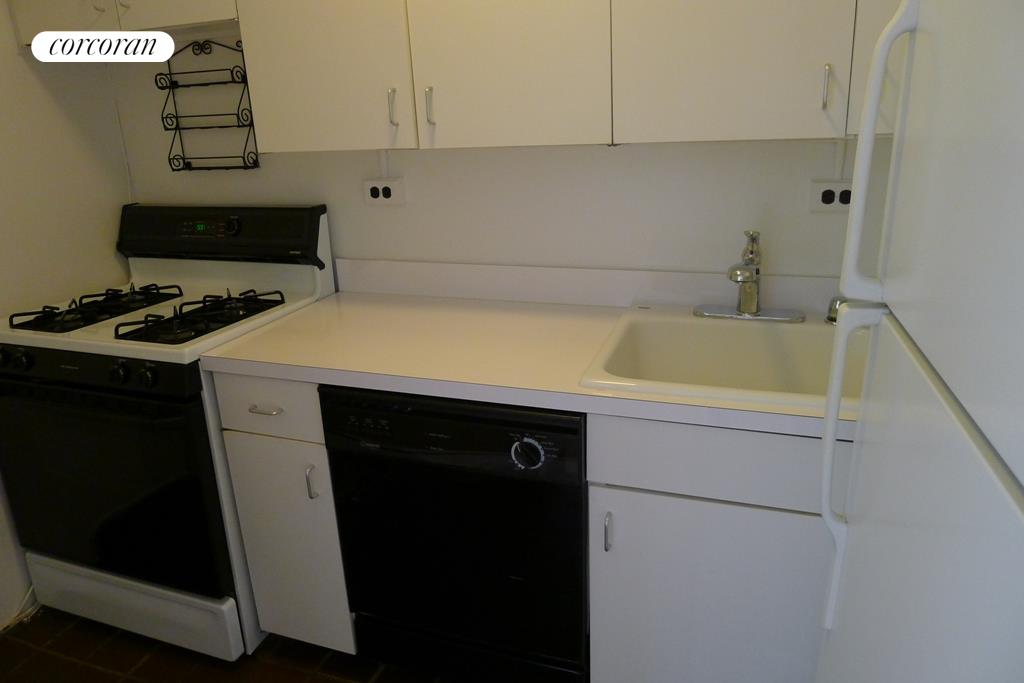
[(852, 283), (852, 316)]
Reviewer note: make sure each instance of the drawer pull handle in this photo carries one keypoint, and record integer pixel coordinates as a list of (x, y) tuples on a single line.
[(607, 531), (256, 410), (309, 483)]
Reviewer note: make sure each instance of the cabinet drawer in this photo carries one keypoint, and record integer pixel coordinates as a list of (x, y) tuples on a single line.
[(775, 470), (270, 406)]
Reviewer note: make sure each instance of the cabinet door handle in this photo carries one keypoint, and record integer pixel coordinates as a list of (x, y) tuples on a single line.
[(256, 410), (824, 86), (391, 106), (98, 7), (126, 5), (429, 93), (607, 531), (309, 482)]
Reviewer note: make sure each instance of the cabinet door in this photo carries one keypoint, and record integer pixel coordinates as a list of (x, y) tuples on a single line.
[(730, 69), (33, 16), (320, 74), (872, 16), (503, 73), (693, 590), (141, 15), (291, 539)]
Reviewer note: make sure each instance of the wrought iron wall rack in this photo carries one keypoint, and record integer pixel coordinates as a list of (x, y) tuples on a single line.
[(174, 121)]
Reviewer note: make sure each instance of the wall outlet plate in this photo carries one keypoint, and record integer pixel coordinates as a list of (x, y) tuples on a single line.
[(384, 191), (830, 196)]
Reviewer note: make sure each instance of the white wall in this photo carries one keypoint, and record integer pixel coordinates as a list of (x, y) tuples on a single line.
[(62, 181), (661, 207)]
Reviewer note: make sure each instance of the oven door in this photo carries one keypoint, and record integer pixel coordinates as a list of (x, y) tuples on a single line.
[(118, 483)]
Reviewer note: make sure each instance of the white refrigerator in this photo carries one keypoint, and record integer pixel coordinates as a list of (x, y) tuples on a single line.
[(928, 583)]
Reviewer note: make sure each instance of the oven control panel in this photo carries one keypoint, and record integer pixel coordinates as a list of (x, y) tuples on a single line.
[(99, 371), (506, 441), (218, 227)]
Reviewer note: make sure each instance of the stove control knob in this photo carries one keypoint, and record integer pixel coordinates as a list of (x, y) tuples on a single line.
[(22, 360), (148, 377), (233, 226), (527, 454), (5, 358), (119, 373)]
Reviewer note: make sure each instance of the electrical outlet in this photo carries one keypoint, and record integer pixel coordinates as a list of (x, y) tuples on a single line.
[(830, 196), (384, 191)]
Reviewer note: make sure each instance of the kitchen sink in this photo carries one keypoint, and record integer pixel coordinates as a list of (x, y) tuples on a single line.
[(671, 352)]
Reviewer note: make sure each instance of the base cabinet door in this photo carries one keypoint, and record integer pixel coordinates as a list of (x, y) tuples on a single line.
[(290, 532), (685, 589)]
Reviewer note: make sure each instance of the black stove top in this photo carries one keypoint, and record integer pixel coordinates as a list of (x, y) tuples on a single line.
[(194, 319), (90, 309)]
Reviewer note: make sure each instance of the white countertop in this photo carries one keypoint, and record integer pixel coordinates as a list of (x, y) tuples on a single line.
[(510, 352)]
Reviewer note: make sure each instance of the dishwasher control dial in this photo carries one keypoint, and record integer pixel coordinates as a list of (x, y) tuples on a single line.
[(527, 454)]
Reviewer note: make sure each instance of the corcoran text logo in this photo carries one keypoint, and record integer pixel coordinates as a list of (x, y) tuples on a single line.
[(102, 46)]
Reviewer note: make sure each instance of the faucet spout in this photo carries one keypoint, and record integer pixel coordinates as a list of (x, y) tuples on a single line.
[(747, 274), (751, 255)]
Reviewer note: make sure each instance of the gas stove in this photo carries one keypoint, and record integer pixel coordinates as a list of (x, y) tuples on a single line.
[(111, 457), (199, 277)]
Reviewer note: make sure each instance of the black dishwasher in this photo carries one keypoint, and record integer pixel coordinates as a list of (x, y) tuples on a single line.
[(463, 530)]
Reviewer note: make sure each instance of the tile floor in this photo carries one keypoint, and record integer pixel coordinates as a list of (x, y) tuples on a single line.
[(58, 647)]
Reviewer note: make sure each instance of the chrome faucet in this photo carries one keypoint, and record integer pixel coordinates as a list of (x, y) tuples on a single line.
[(747, 274)]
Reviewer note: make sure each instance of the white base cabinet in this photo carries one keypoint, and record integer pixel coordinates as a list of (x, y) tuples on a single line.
[(704, 591), (286, 510)]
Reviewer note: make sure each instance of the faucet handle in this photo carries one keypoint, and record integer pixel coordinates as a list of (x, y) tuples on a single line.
[(751, 254)]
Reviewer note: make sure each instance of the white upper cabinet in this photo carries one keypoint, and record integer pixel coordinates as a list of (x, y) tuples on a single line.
[(872, 16), (33, 16), (730, 69), (329, 75), (511, 73), (142, 15)]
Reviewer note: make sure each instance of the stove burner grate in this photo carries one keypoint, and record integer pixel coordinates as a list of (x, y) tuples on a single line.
[(193, 319), (90, 309)]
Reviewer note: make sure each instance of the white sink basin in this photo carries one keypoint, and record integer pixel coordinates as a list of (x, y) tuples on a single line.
[(671, 352)]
